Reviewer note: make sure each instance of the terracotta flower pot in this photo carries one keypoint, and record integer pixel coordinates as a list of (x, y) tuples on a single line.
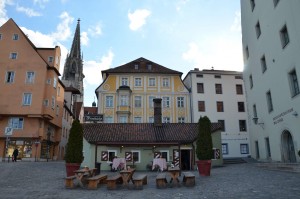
[(71, 167), (204, 167)]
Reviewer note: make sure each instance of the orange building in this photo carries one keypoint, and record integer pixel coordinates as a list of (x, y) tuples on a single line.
[(31, 97)]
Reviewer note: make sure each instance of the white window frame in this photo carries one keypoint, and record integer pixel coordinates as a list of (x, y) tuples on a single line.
[(124, 81), (165, 151), (137, 119), (151, 119), (123, 119), (111, 151), (46, 102), (139, 155), (108, 119), (13, 55), (15, 37), (53, 102), (225, 146), (109, 101), (244, 148), (166, 82), (54, 82), (180, 102), (151, 103), (10, 77), (181, 119), (166, 102), (151, 81), (16, 122), (30, 75), (137, 101), (166, 120), (138, 81), (124, 100), (27, 98)]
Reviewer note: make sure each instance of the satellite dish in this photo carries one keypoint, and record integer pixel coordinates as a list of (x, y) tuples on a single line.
[(8, 131)]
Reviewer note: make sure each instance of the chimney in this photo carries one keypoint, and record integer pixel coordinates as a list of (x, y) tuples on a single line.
[(157, 112)]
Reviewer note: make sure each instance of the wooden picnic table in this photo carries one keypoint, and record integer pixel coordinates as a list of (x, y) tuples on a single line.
[(84, 172), (127, 176), (174, 173)]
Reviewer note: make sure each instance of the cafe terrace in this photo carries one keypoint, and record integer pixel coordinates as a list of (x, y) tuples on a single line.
[(140, 143)]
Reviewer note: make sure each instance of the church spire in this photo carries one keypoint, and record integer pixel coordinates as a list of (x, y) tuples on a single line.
[(75, 50)]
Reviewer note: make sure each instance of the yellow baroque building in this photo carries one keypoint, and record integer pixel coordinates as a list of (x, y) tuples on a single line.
[(127, 92)]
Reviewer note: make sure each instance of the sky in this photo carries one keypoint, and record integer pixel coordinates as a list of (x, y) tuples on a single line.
[(178, 34)]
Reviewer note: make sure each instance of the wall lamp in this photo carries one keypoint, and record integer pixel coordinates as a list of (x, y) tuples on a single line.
[(255, 120), (153, 148), (121, 147)]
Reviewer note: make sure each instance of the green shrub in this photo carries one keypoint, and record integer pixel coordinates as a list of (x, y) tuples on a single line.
[(204, 145), (75, 144)]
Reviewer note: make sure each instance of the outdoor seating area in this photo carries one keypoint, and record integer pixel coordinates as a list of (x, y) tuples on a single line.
[(130, 179)]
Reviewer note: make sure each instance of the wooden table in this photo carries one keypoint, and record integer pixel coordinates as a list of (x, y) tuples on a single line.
[(127, 176), (174, 173), (79, 174)]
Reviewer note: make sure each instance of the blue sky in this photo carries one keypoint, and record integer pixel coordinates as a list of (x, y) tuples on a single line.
[(178, 34)]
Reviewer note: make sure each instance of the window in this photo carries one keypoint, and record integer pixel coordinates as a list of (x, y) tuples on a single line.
[(109, 101), (50, 59), (166, 102), (257, 29), (0, 36), (53, 102), (111, 155), (242, 124), (46, 102), (181, 120), (16, 122), (166, 82), (123, 119), (151, 81), (252, 3), (238, 77), (138, 81), (247, 52), (108, 119), (254, 113), (267, 141), (137, 120), (151, 103), (275, 2), (48, 81), (263, 63), (201, 106), (136, 156), (149, 66), (220, 107), (57, 110), (284, 36), (54, 82), (166, 120), (164, 154), (200, 88), (29, 77), (151, 119), (241, 107), (239, 89), (180, 102), (225, 149), (222, 122), (124, 81), (269, 101), (27, 99), (199, 76), (15, 37), (124, 100), (251, 81), (138, 101), (13, 55), (294, 83), (244, 148), (136, 66), (58, 91), (218, 88), (10, 76), (218, 76)]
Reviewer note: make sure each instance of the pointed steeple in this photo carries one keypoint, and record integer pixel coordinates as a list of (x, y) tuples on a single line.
[(73, 69)]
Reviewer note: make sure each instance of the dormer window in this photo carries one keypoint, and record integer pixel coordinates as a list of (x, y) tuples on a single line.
[(15, 37), (136, 66), (149, 66)]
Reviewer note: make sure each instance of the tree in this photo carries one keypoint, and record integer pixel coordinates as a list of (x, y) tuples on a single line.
[(74, 146), (204, 145)]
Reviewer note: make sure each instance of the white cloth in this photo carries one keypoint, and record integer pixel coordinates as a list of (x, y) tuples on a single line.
[(119, 163), (161, 162)]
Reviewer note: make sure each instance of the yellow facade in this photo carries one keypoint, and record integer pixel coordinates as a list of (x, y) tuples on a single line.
[(128, 97)]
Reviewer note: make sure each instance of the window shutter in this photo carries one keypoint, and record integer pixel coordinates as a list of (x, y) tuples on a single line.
[(104, 156), (157, 154), (128, 156)]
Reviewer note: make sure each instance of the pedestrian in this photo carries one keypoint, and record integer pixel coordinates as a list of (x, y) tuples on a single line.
[(15, 154)]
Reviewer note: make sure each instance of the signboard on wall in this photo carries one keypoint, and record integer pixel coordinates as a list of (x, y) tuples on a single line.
[(94, 118)]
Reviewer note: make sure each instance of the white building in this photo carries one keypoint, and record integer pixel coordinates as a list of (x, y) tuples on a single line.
[(271, 45), (220, 95)]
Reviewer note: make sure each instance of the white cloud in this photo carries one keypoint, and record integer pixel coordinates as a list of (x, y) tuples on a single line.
[(84, 39), (138, 18), (95, 30), (220, 53), (63, 31), (28, 11), (92, 69), (41, 3), (3, 15), (236, 26)]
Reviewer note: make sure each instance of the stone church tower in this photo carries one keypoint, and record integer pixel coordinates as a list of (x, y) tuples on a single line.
[(73, 69)]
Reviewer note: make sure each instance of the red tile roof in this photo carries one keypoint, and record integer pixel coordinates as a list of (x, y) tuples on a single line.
[(142, 133)]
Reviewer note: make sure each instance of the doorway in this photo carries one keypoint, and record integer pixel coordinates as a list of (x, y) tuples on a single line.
[(185, 157), (288, 149)]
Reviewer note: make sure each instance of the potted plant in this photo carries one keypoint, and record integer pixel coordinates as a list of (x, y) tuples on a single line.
[(204, 146), (74, 154)]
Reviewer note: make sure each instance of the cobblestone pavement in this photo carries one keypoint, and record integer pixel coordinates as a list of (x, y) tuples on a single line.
[(46, 180)]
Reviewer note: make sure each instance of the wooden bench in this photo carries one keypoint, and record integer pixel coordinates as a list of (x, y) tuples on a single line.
[(113, 180), (139, 181), (69, 181), (95, 180), (188, 179), (161, 181)]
